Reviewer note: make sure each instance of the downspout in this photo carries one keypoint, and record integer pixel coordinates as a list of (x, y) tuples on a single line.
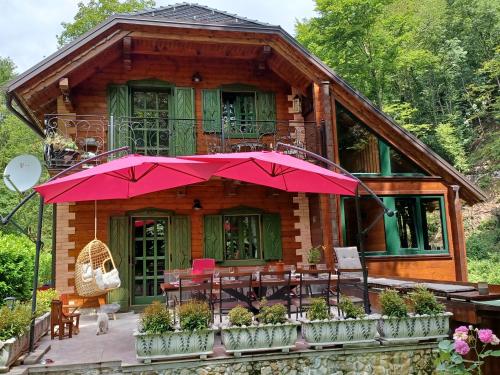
[(8, 102)]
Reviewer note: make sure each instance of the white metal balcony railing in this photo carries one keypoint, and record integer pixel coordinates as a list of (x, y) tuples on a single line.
[(73, 138)]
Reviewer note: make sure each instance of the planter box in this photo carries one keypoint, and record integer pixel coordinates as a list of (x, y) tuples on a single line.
[(174, 344), (12, 349), (414, 328), (319, 333), (257, 338)]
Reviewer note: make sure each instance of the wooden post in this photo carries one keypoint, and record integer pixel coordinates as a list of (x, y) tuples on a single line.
[(457, 233)]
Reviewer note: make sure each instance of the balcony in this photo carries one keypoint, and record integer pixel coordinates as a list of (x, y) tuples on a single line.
[(74, 138)]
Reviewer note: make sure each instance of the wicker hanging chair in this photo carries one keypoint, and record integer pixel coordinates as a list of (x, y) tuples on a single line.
[(94, 269)]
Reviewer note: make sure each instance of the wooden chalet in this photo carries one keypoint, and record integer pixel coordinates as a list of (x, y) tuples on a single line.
[(188, 79)]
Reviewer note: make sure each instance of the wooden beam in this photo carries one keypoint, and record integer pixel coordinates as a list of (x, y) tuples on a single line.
[(457, 233), (65, 99), (127, 47)]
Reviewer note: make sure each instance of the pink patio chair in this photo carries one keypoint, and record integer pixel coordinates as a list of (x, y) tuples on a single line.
[(203, 265)]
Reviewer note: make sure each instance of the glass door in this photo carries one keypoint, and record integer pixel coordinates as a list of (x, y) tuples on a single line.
[(150, 241)]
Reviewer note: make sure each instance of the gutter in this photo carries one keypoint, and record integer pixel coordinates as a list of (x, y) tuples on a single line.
[(21, 116)]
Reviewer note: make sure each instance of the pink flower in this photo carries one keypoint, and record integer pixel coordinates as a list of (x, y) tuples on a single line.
[(495, 340), (485, 335), (461, 333), (461, 347)]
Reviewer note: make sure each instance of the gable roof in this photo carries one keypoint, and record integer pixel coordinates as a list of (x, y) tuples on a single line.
[(195, 14), (189, 16)]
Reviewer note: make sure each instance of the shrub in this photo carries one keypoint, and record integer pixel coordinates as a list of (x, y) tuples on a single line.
[(349, 309), (275, 314), (156, 319), (485, 269), (318, 309), (484, 240), (314, 255), (194, 315), (239, 316), (14, 322), (43, 300), (393, 304), (425, 302)]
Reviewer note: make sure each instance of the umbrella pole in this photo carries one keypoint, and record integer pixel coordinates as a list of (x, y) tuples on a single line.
[(35, 273), (361, 247)]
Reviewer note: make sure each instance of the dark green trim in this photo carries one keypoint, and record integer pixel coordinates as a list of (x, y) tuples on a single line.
[(242, 210), (238, 87), (150, 84), (384, 152), (392, 242), (150, 212)]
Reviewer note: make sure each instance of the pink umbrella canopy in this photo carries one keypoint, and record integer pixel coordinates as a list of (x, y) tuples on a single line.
[(280, 171), (126, 177)]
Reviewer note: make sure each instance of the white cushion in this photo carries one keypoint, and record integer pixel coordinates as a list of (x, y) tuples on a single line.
[(111, 279), (348, 258), (99, 279)]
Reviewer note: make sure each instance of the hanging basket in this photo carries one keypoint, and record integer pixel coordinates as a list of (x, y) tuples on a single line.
[(95, 270)]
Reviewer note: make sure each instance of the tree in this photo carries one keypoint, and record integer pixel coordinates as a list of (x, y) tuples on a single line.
[(91, 14)]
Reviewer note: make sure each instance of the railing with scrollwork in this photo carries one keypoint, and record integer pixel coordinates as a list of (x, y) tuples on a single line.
[(73, 138)]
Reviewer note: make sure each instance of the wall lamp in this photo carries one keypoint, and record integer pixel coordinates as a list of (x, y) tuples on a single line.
[(197, 205), (196, 78)]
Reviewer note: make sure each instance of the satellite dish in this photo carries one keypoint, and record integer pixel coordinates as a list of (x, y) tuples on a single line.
[(22, 173)]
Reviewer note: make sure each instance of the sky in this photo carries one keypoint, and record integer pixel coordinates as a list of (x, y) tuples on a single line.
[(28, 28)]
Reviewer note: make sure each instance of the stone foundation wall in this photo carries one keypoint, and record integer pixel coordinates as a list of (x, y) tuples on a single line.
[(383, 360)]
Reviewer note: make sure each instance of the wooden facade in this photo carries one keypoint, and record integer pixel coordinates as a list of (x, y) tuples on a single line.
[(143, 50)]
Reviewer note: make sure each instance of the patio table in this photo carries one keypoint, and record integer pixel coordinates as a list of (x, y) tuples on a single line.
[(173, 286)]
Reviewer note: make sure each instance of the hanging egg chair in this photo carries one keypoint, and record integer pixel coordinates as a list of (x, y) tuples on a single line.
[(95, 270)]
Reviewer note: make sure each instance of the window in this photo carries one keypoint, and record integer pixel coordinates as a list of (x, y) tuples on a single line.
[(149, 131), (241, 237), (418, 227), (361, 151), (238, 112)]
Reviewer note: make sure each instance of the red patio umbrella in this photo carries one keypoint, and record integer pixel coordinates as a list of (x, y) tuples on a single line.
[(126, 177), (280, 171)]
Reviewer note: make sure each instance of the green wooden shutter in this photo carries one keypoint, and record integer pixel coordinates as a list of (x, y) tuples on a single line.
[(385, 158), (119, 244), (181, 242), (393, 243), (183, 141), (271, 233), (266, 111), (211, 110), (119, 108), (214, 237)]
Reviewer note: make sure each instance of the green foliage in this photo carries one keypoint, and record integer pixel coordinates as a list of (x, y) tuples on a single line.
[(240, 316), (14, 322), (485, 240), (194, 315), (274, 314), (314, 255), (43, 300), (349, 309), (318, 309), (96, 11), (425, 302), (17, 253), (393, 304), (156, 319), (433, 65), (485, 269)]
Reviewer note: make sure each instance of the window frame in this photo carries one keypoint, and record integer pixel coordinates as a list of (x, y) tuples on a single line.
[(259, 237), (399, 251), (239, 135)]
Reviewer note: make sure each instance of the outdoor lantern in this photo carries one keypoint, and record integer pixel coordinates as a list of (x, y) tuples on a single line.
[(197, 205), (196, 78), (10, 302), (297, 104)]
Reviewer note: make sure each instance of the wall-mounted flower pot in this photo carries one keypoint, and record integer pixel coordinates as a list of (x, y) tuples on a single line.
[(414, 328), (319, 333), (260, 337), (175, 344)]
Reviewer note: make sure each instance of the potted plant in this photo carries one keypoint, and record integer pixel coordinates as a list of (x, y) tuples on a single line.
[(354, 327), (314, 255), (61, 149), (158, 337), (428, 321), (272, 331), (14, 333)]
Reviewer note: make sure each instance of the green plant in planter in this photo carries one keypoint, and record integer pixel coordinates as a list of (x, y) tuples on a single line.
[(318, 309), (239, 316), (274, 314), (424, 302), (194, 315), (44, 299), (156, 319), (60, 142), (314, 254), (393, 304), (349, 309), (14, 322)]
